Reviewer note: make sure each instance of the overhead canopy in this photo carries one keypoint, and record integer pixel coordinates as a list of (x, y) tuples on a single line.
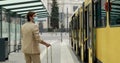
[(22, 7)]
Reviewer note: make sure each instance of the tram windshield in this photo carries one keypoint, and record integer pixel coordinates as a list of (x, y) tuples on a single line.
[(115, 13)]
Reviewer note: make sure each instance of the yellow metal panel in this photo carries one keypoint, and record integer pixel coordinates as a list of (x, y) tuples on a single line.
[(113, 45), (108, 42), (87, 2), (82, 53), (90, 55), (101, 42), (76, 13), (81, 9)]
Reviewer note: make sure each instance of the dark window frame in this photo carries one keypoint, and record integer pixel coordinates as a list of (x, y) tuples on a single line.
[(112, 25), (99, 19)]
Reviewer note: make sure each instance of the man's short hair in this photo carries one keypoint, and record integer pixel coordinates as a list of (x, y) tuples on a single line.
[(29, 14)]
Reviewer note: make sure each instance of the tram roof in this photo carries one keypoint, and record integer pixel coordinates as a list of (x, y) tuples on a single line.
[(23, 6)]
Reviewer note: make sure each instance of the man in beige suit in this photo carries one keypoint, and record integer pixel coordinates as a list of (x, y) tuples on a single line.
[(31, 40)]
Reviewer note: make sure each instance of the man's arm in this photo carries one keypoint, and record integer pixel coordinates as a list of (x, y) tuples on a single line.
[(46, 44), (37, 36)]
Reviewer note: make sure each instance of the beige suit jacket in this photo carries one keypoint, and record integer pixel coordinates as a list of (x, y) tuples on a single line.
[(30, 38)]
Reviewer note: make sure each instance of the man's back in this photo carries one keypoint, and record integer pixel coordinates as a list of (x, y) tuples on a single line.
[(29, 45)]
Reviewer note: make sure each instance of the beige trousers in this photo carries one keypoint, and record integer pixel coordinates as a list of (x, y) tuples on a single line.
[(32, 58)]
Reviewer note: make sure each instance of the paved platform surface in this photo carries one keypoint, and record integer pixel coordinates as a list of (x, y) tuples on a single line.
[(61, 51)]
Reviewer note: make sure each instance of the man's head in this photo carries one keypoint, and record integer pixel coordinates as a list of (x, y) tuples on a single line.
[(30, 16)]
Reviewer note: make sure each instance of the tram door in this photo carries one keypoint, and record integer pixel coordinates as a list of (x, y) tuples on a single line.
[(86, 30), (91, 33), (82, 35), (78, 37), (71, 33), (88, 26)]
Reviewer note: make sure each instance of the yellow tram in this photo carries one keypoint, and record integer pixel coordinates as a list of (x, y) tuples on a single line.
[(95, 31)]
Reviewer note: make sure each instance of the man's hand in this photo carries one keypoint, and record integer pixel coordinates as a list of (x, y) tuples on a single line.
[(47, 45)]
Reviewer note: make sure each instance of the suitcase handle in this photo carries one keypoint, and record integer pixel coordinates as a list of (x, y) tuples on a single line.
[(50, 52)]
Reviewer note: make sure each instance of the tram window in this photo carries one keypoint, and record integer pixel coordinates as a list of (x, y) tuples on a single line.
[(78, 21), (74, 23), (71, 24), (74, 20), (100, 13), (115, 13)]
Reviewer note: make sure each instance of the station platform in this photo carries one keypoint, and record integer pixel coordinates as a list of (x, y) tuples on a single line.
[(61, 51)]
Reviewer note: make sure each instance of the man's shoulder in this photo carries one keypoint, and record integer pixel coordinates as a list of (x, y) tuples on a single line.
[(33, 25), (23, 24), (27, 23)]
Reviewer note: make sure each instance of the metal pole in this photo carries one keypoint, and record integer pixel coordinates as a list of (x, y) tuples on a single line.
[(20, 32), (61, 32), (61, 23), (8, 14), (61, 27), (48, 22), (67, 19), (0, 21), (15, 33)]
